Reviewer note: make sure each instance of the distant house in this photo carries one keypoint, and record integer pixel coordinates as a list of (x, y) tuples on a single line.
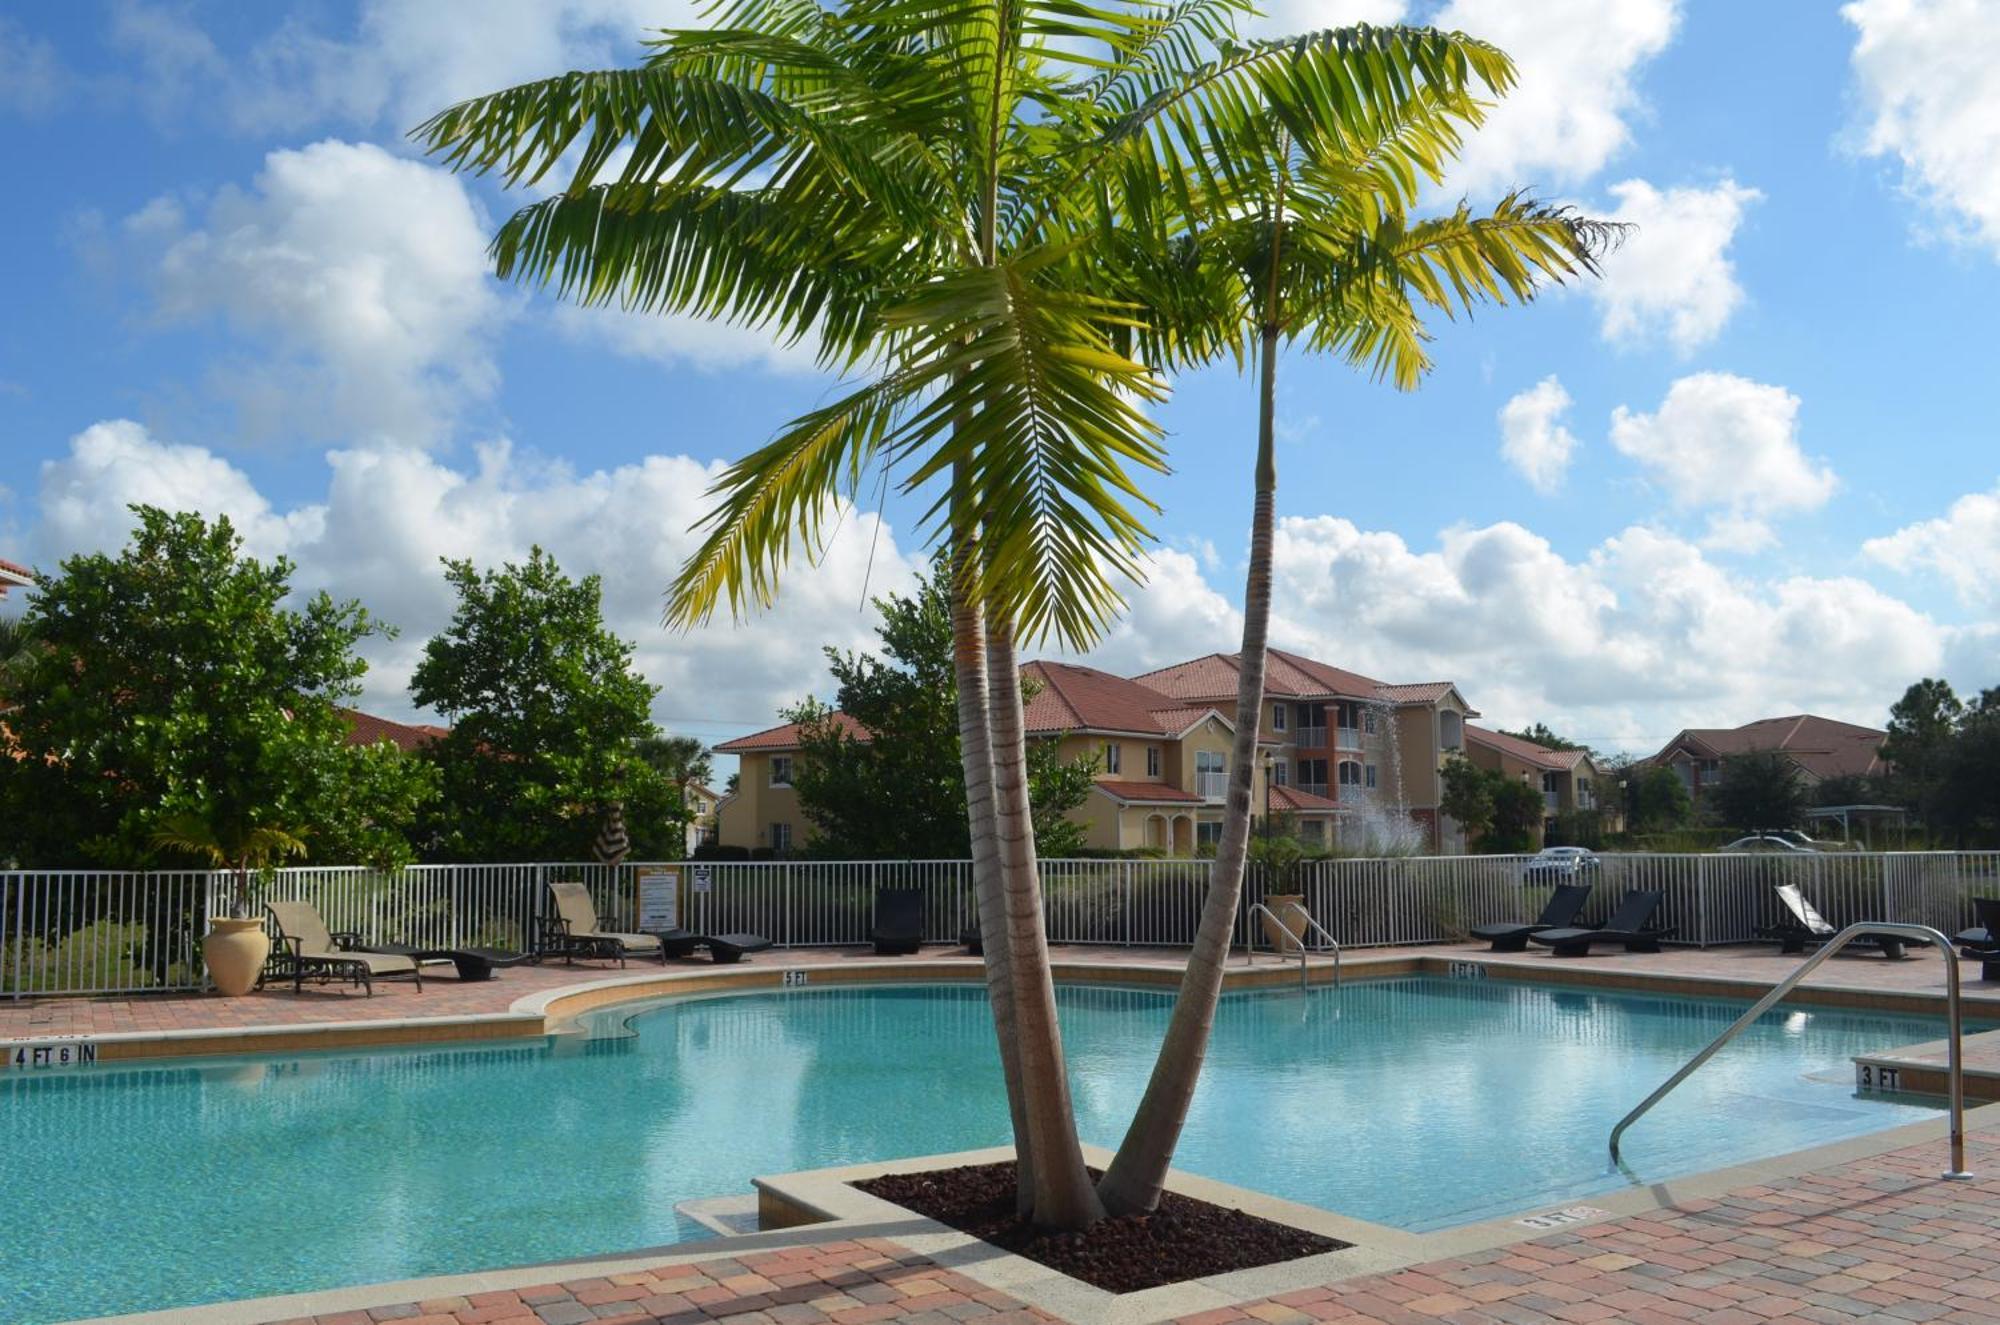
[(1820, 748), (13, 575), (701, 804), (1569, 780), (367, 729)]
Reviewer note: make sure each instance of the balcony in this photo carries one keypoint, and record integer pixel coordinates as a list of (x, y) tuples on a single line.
[(1211, 786), (1310, 738), (1347, 738)]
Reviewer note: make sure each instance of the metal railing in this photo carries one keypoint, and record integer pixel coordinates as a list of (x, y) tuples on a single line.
[(1955, 1081), (1212, 785), (1309, 738), (1258, 909), (106, 932)]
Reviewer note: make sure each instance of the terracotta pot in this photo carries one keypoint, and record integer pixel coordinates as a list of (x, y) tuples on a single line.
[(1287, 932), (235, 951)]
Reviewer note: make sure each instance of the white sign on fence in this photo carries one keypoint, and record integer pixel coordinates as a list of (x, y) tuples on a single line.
[(659, 900), (704, 879)]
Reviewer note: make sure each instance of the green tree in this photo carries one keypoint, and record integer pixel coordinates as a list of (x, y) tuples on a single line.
[(1660, 801), (545, 714), (1517, 816), (900, 793), (16, 642), (1967, 798), (939, 190), (683, 761), (1759, 790), (1923, 725), (1541, 735), (1468, 796)]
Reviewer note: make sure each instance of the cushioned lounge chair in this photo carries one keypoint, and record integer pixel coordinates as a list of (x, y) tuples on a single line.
[(1630, 925), (572, 931), (305, 947), (470, 963), (1803, 926), (1565, 905), (899, 921), (723, 949), (1981, 943)]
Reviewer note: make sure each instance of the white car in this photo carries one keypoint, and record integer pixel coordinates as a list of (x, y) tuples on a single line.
[(1560, 865), (1769, 844)]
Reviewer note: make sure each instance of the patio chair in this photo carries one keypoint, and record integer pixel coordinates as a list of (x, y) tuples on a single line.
[(305, 947), (899, 922), (1629, 925), (572, 931), (1803, 926), (1565, 905), (1981, 943), (723, 949), (472, 964)]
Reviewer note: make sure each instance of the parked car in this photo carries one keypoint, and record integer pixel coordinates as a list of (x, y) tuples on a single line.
[(1771, 844), (1561, 865)]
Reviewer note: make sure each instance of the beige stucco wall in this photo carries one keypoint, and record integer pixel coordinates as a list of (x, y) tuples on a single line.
[(745, 819)]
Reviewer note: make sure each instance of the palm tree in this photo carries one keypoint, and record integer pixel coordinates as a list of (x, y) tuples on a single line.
[(236, 847), (1328, 257), (932, 190), (682, 760)]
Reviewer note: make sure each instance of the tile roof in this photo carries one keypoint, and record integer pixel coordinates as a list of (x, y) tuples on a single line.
[(1213, 678), (367, 729), (1147, 793), (1077, 698), (1540, 755), (13, 572), (785, 737), (1823, 747), (1290, 800)]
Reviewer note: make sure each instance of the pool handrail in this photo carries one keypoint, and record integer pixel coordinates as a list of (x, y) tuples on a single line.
[(1250, 951), (1955, 1081)]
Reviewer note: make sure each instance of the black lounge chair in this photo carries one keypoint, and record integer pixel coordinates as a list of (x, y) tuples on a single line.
[(723, 949), (1804, 927), (1565, 905), (1628, 925), (975, 943), (899, 922), (470, 963), (1981, 943)]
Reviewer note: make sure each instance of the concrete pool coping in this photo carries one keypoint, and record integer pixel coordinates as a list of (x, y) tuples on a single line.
[(844, 1214)]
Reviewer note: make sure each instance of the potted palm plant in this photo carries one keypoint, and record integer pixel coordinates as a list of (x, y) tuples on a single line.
[(236, 945), (1278, 853)]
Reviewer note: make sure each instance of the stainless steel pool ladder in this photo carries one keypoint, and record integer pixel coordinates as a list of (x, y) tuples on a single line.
[(1250, 953), (1954, 1078)]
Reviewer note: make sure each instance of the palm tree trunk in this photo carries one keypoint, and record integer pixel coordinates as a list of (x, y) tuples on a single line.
[(1064, 1197), (1139, 1171), (968, 635)]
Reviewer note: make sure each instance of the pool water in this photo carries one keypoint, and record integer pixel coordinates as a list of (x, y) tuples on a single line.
[(1415, 1102)]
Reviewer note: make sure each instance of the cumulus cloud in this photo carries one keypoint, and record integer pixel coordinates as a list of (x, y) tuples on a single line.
[(679, 340), (1579, 63), (389, 514), (31, 75), (1672, 278), (1962, 547), (1928, 77), (1724, 442), (1282, 18), (1532, 436), (360, 276)]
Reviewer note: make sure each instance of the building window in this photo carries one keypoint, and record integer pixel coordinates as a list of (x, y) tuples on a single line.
[(1368, 721), (1111, 761), (781, 837), (1350, 773), (1278, 771), (1371, 775), (1208, 833), (1548, 782), (1312, 774), (1152, 761), (1277, 717), (781, 770), (1586, 794), (1347, 716)]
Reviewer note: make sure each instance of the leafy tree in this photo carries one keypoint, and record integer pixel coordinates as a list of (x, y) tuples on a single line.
[(1922, 727), (545, 714), (1967, 800), (1468, 795), (1845, 789), (1758, 790), (236, 847), (1541, 735), (900, 794), (16, 643), (1660, 801), (682, 760), (1517, 815)]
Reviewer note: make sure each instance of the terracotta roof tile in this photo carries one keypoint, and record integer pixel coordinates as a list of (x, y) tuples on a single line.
[(367, 729), (13, 572), (1148, 793), (785, 737), (1534, 753), (1213, 678), (1824, 747), (1290, 800), (1074, 698)]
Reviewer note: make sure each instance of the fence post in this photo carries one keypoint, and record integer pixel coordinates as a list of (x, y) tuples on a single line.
[(1701, 898)]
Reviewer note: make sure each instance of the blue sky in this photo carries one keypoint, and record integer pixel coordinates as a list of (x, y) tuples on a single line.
[(1753, 470)]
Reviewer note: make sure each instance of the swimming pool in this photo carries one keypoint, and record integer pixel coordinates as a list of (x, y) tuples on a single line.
[(1417, 1102)]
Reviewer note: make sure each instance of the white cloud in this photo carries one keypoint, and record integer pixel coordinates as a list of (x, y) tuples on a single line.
[(1578, 63), (684, 340), (1928, 73), (31, 75), (1283, 18), (1725, 442), (388, 515), (1532, 436), (1672, 277), (1962, 547), (362, 278)]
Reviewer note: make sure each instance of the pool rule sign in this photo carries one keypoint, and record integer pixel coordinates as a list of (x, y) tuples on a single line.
[(659, 900)]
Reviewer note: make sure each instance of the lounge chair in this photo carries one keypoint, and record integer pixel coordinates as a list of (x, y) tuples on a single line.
[(723, 949), (1981, 943), (1803, 926), (974, 941), (306, 947), (899, 921), (572, 931), (471, 963), (1628, 925), (1565, 905)]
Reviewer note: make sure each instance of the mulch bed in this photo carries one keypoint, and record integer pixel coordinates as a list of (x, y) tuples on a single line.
[(1183, 1239)]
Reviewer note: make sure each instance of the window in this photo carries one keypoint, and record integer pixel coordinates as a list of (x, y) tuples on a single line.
[(1312, 773), (1277, 717), (781, 837), (1347, 715), (1368, 721), (1152, 761), (1208, 833), (1350, 773), (1586, 794), (1278, 772), (1111, 762), (781, 770), (1209, 761), (1548, 782), (1371, 775)]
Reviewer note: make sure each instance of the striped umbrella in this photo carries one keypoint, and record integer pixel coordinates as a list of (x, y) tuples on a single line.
[(613, 843)]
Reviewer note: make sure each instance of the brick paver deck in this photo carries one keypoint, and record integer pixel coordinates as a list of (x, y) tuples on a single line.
[(1877, 1239)]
